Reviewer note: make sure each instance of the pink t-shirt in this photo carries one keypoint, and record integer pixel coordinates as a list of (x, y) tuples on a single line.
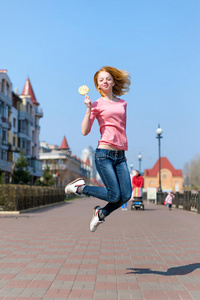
[(111, 117)]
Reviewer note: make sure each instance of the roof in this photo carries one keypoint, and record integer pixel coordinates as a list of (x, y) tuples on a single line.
[(64, 144), (28, 91), (164, 164), (87, 162)]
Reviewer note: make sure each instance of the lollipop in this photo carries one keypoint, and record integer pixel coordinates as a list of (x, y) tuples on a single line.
[(83, 90)]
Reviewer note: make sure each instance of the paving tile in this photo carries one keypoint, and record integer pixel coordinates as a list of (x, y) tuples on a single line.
[(134, 255)]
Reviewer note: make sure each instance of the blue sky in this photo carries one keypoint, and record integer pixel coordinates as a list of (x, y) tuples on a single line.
[(60, 44)]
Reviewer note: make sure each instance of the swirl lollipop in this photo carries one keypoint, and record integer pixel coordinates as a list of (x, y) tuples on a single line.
[(83, 90)]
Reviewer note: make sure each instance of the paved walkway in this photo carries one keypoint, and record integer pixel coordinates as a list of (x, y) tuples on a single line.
[(51, 254)]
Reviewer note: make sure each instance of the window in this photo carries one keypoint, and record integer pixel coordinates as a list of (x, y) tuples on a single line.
[(14, 122), (3, 86), (14, 141), (19, 125), (176, 186), (24, 144), (151, 182), (4, 155), (164, 176), (4, 137), (28, 148), (4, 112), (7, 89), (33, 136), (23, 126)]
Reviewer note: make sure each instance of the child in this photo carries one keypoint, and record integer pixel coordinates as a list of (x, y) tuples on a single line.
[(169, 199)]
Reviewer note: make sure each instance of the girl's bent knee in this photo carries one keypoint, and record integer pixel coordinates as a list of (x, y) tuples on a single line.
[(114, 199)]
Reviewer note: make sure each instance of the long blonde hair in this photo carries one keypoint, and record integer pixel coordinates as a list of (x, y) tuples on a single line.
[(121, 79)]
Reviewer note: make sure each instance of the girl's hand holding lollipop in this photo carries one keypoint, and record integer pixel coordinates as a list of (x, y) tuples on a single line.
[(83, 90)]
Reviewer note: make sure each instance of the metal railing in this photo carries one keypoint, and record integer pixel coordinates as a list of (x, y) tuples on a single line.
[(188, 200)]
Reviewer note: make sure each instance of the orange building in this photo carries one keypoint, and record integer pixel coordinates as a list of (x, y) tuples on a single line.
[(171, 178)]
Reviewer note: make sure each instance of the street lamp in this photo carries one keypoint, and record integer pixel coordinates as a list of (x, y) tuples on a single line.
[(131, 166), (140, 159), (159, 132)]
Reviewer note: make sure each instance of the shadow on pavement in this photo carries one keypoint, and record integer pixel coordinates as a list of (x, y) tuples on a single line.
[(145, 209), (182, 270), (36, 210)]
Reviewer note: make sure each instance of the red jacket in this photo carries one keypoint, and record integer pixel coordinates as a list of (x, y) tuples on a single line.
[(137, 181)]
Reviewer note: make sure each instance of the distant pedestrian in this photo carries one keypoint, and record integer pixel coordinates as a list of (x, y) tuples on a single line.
[(137, 180), (110, 160), (137, 185), (169, 200), (124, 206)]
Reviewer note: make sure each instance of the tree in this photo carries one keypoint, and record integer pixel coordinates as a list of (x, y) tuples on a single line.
[(195, 171), (187, 175), (47, 178), (192, 172), (21, 173)]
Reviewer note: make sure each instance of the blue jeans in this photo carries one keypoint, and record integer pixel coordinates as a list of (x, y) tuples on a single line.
[(113, 170)]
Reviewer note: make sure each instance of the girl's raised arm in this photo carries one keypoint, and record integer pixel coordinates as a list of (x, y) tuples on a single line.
[(85, 126)]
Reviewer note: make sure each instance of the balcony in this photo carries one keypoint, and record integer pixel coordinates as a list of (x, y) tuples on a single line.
[(6, 166), (39, 112), (5, 145), (5, 99), (13, 148), (35, 167), (5, 122), (3, 119), (23, 115), (55, 166)]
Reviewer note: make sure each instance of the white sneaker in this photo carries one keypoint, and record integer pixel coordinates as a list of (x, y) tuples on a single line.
[(95, 222), (73, 186)]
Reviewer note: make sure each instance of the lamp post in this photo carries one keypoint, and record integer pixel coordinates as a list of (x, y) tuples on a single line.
[(159, 132), (131, 166), (140, 159)]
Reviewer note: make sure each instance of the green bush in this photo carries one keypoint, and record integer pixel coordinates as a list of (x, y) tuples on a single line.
[(21, 197)]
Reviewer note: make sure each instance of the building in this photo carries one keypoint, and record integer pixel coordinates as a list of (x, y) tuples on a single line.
[(29, 129), (5, 123), (64, 166), (171, 178), (19, 127), (89, 160)]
